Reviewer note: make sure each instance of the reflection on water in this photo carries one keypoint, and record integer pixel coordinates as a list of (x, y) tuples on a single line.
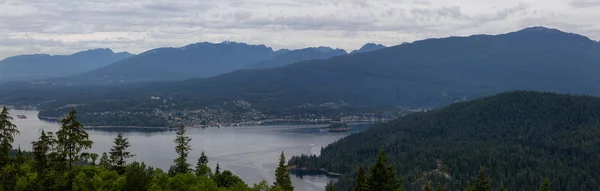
[(250, 152)]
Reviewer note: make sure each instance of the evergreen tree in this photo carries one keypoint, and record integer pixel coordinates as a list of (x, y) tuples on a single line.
[(180, 165), (428, 186), (383, 176), (217, 170), (20, 158), (8, 130), (329, 186), (362, 183), (94, 158), (105, 161), (546, 185), (41, 150), (72, 139), (482, 183), (138, 177), (282, 175), (119, 153), (201, 167), (468, 187)]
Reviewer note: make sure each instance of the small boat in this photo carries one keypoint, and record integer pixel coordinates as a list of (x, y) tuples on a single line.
[(21, 116), (338, 128)]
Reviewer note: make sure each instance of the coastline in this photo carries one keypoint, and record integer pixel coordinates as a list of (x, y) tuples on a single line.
[(294, 168)]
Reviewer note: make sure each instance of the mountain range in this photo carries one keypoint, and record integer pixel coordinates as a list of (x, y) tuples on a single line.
[(40, 66), (200, 60), (423, 74)]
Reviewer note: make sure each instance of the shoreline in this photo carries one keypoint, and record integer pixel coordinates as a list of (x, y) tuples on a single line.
[(241, 124), (320, 170)]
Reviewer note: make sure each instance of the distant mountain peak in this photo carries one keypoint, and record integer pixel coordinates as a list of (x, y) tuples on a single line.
[(96, 51), (324, 49), (541, 29), (368, 48)]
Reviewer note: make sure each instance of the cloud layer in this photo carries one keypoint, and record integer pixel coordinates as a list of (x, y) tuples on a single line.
[(65, 26)]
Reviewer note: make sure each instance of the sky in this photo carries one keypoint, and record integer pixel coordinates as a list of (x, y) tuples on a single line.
[(69, 26)]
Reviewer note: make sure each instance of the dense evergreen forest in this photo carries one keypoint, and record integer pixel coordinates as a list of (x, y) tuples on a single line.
[(519, 138), (58, 161)]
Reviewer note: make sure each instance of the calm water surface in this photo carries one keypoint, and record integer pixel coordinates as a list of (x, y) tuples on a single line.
[(249, 152)]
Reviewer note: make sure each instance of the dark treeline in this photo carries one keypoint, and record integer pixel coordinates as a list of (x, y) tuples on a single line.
[(381, 176), (58, 162), (520, 138)]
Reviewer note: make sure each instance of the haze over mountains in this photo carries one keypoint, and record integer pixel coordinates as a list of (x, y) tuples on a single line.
[(294, 56), (198, 60), (40, 66), (427, 73)]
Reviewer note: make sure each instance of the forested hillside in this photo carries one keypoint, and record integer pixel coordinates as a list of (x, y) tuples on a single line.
[(519, 137)]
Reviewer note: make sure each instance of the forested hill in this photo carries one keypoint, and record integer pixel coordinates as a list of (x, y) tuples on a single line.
[(519, 137)]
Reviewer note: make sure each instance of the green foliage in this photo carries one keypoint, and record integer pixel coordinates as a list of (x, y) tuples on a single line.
[(72, 139), (362, 183), (119, 153), (138, 177), (8, 130), (105, 161), (201, 166), (282, 175), (329, 186), (546, 185), (518, 136), (381, 175), (228, 179), (182, 148), (482, 183)]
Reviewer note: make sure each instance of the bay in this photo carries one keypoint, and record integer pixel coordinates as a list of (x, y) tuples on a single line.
[(249, 152)]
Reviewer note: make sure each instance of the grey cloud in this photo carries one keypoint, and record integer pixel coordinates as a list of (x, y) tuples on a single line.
[(584, 3), (143, 24), (502, 14), (29, 41)]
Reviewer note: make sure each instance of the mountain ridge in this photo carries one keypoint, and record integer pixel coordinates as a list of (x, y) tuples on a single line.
[(40, 66)]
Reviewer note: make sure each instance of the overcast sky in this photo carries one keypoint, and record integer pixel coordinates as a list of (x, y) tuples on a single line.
[(68, 26)]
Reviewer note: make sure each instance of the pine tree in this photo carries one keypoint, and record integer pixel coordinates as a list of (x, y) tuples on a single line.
[(8, 130), (329, 186), (468, 187), (180, 165), (428, 186), (482, 183), (282, 175), (217, 170), (362, 183), (41, 150), (105, 161), (546, 185), (201, 166), (382, 176), (119, 153), (94, 158), (72, 139)]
